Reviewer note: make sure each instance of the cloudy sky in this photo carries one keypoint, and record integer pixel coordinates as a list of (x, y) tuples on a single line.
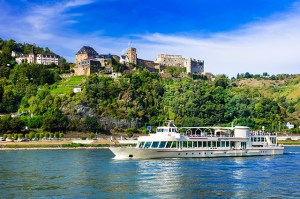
[(231, 36)]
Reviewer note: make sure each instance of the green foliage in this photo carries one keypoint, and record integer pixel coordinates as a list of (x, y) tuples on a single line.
[(118, 129), (174, 71), (131, 131), (92, 136), (16, 124), (91, 124)]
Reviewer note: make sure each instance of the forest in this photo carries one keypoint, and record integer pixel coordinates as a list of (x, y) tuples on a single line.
[(139, 98)]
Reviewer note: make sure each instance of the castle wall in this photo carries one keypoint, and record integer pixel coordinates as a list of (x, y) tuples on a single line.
[(80, 57), (170, 60), (194, 66)]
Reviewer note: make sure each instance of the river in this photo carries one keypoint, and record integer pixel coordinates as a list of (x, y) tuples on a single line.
[(95, 174)]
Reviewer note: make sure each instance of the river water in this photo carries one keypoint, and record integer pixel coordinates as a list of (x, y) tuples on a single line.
[(95, 174)]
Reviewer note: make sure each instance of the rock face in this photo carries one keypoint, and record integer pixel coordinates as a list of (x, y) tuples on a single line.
[(78, 111)]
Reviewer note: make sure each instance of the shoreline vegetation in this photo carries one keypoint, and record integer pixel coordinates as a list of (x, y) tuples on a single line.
[(65, 145)]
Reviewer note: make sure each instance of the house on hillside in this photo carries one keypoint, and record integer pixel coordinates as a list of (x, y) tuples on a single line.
[(77, 89), (32, 57)]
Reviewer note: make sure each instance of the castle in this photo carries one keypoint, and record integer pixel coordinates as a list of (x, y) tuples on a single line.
[(88, 61), (44, 58)]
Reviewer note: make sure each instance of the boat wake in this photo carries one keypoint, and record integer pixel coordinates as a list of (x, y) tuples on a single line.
[(292, 153)]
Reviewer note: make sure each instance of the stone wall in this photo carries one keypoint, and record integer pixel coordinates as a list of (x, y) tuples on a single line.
[(194, 66), (80, 57), (170, 60)]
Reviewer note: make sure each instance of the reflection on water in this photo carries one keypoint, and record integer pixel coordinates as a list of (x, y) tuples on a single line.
[(94, 174)]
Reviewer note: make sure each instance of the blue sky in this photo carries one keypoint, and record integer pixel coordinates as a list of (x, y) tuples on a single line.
[(231, 36)]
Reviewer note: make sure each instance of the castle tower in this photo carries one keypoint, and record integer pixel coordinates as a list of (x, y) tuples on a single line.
[(31, 56), (84, 53), (132, 56)]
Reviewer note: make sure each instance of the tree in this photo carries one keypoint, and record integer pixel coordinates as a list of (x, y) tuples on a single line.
[(16, 124), (4, 124), (91, 124)]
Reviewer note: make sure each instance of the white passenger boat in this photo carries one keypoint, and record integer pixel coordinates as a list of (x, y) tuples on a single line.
[(189, 142)]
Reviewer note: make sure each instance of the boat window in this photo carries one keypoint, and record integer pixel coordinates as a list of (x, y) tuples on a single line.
[(258, 139), (141, 144), (209, 144), (213, 144), (223, 144), (184, 144), (273, 140), (243, 145), (227, 143), (218, 144), (166, 130), (255, 139), (195, 144), (169, 144), (154, 145), (190, 144), (199, 144), (162, 144), (262, 139), (173, 145), (147, 144), (204, 144)]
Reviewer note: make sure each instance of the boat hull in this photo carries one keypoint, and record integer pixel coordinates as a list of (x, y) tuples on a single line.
[(139, 153)]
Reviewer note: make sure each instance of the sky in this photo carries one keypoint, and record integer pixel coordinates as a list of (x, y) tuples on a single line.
[(231, 36)]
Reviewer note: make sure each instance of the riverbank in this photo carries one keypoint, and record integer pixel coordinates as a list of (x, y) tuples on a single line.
[(59, 145), (68, 145)]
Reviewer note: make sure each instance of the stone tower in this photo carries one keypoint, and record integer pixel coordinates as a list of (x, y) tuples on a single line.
[(31, 56), (131, 54), (84, 53)]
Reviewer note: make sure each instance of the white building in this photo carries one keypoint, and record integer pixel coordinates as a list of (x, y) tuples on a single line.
[(77, 89), (290, 125), (45, 59)]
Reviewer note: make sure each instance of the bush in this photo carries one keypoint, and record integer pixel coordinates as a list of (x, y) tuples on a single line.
[(118, 129), (20, 136), (92, 136), (31, 135), (131, 131)]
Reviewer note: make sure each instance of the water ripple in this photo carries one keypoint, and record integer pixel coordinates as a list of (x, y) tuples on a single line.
[(95, 174)]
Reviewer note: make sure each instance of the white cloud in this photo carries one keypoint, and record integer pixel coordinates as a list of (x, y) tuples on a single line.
[(270, 46)]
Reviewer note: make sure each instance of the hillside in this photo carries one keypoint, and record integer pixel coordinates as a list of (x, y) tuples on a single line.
[(42, 98)]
